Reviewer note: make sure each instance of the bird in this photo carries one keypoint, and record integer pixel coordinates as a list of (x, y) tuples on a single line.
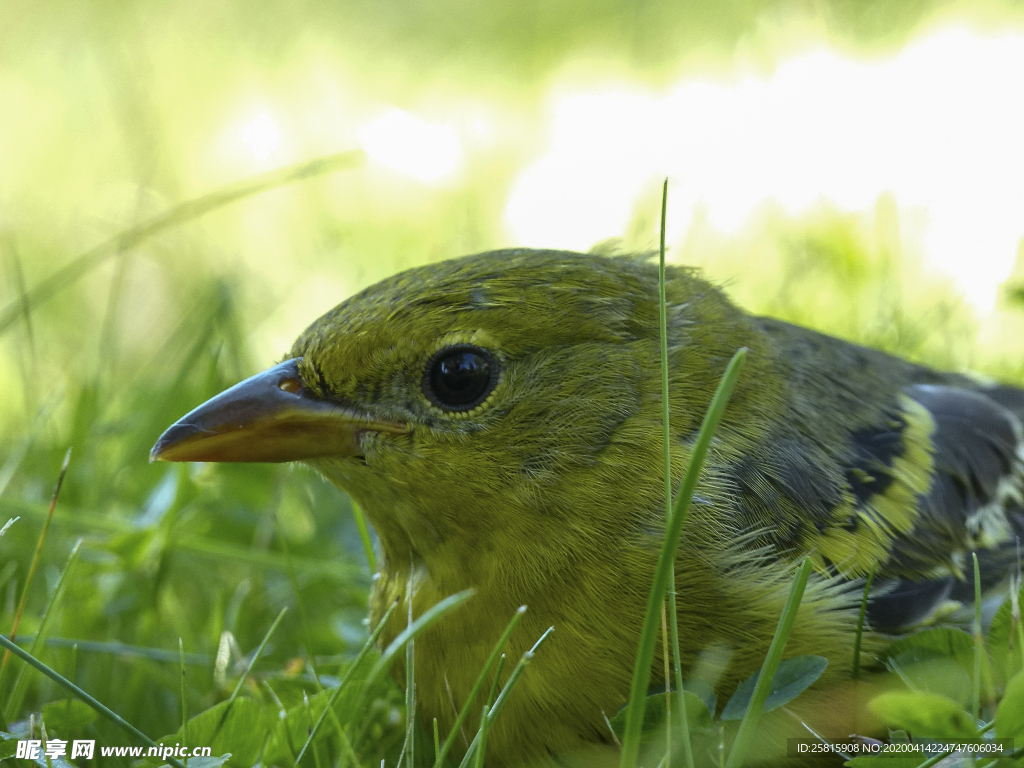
[(498, 418)]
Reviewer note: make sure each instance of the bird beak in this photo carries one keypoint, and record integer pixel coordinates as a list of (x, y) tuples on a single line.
[(268, 417)]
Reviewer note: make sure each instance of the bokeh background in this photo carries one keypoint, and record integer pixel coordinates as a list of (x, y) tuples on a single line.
[(852, 165)]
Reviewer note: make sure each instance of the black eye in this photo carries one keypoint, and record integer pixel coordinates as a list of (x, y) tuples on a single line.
[(460, 378)]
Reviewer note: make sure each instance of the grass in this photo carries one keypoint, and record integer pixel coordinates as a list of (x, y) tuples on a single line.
[(112, 716), (101, 583)]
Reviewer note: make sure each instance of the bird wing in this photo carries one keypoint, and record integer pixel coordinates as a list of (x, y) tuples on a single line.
[(974, 503), (881, 465)]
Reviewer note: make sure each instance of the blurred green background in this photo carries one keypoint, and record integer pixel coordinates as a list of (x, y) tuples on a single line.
[(113, 114)]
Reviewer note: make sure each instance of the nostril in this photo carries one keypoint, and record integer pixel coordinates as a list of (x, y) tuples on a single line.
[(291, 384)]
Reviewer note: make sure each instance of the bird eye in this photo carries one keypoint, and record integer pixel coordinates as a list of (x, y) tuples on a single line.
[(460, 378)]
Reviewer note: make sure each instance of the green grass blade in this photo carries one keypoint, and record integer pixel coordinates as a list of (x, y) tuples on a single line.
[(367, 646), (342, 736), (115, 718), (517, 673), (666, 560), (482, 749), (184, 700), (978, 641), (1015, 617), (119, 649), (71, 677), (179, 214), (982, 678), (745, 734), (21, 681), (364, 536), (410, 689), (684, 726), (255, 658), (3, 529), (430, 616), (860, 622), (494, 682), (493, 712), (478, 685), (34, 564), (309, 720), (245, 674), (13, 461), (667, 655)]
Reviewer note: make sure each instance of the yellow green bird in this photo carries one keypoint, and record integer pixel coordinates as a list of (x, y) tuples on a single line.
[(499, 419)]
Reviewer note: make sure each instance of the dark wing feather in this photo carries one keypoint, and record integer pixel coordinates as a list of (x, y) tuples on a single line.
[(974, 503), (881, 464)]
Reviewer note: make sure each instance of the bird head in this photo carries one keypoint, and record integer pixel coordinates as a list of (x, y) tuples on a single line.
[(500, 394)]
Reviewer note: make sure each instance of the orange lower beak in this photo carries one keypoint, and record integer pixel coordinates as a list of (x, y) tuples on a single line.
[(268, 417)]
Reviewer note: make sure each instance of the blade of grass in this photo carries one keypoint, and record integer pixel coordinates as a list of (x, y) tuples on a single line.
[(115, 718), (482, 749), (667, 451), (464, 712), (343, 737), (71, 677), (762, 688), (978, 641), (982, 668), (35, 561), (431, 616), (179, 214), (369, 644), (13, 460), (667, 759), (666, 560), (494, 682), (119, 649), (309, 720), (282, 714), (410, 687), (46, 738), (184, 701), (29, 367), (21, 681), (255, 658), (364, 536), (860, 622), (506, 691), (19, 282), (1015, 617), (684, 724), (245, 674)]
